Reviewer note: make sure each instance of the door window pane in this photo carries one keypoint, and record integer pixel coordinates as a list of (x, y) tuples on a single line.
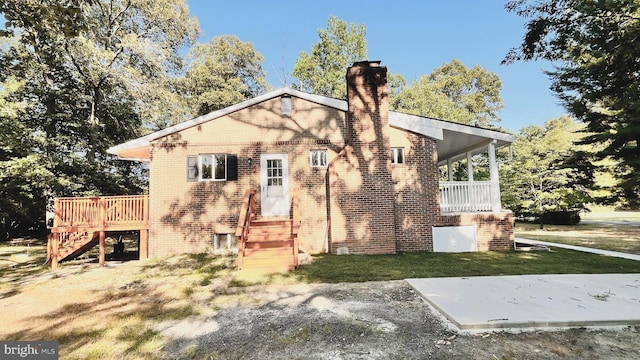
[(274, 178)]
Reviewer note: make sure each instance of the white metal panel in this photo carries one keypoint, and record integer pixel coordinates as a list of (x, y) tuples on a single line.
[(454, 239)]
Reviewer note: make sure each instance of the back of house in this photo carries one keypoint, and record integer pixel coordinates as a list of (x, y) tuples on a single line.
[(367, 178)]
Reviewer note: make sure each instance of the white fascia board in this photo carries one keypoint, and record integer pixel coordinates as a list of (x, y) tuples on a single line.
[(418, 124), (473, 130), (145, 141)]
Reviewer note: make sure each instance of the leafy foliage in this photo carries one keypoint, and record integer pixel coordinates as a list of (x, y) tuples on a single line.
[(454, 92), (546, 173), (322, 71), (597, 47), (95, 75), (221, 73)]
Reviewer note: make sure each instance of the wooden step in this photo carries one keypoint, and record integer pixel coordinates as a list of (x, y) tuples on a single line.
[(270, 222), (269, 244), (283, 261), (268, 252), (263, 237)]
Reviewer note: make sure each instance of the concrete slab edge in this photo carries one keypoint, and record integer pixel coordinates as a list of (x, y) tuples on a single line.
[(515, 328)]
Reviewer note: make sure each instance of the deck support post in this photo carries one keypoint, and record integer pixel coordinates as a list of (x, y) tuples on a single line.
[(102, 249), (54, 250), (144, 244)]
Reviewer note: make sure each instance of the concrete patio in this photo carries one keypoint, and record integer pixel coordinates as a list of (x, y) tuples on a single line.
[(534, 301)]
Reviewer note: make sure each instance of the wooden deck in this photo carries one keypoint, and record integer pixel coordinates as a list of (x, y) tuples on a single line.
[(81, 223)]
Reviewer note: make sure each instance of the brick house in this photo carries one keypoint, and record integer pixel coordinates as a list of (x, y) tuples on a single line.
[(367, 178)]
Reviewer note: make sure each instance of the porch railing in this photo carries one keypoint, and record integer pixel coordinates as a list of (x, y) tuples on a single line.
[(466, 196)]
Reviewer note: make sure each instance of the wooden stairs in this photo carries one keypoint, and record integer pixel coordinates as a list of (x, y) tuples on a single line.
[(75, 244), (267, 245)]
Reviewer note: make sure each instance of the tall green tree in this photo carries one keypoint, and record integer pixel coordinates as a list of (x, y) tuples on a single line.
[(546, 173), (322, 71), (222, 73), (453, 92), (95, 73), (596, 46)]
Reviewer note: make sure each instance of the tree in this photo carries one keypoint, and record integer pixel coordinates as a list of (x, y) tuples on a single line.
[(95, 74), (546, 173), (323, 71), (596, 45), (454, 92), (222, 73)]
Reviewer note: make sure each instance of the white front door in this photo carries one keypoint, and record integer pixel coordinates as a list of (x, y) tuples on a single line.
[(274, 175)]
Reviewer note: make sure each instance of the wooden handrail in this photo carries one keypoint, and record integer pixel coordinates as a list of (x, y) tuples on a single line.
[(247, 213), (295, 224)]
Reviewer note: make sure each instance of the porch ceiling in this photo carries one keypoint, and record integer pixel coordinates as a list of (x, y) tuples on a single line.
[(455, 145)]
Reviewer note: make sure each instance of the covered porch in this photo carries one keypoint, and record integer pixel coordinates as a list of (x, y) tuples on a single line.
[(470, 195), (471, 215), (457, 144)]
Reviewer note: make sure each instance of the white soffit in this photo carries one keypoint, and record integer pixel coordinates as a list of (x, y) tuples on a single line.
[(418, 124)]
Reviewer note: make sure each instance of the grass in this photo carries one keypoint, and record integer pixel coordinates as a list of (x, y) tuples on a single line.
[(117, 311), (355, 268), (607, 236)]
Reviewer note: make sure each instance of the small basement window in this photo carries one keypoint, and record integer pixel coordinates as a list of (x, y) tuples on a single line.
[(397, 155), (318, 158)]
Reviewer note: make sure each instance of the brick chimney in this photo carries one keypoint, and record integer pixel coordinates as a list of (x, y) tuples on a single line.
[(362, 194), (368, 98)]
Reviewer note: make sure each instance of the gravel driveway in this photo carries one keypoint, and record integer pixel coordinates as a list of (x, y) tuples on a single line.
[(379, 320)]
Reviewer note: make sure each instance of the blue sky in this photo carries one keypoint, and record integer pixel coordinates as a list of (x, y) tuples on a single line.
[(410, 37)]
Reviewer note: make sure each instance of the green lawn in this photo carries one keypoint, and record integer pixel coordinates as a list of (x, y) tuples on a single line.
[(615, 237), (356, 268)]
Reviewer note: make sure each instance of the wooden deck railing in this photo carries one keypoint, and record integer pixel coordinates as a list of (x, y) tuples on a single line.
[(113, 212), (83, 216), (247, 213)]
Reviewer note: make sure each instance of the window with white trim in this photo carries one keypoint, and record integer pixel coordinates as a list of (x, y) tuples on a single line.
[(318, 158), (397, 155), (212, 167)]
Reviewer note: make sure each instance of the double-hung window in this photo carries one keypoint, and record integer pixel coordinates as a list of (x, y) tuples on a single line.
[(397, 155), (318, 158)]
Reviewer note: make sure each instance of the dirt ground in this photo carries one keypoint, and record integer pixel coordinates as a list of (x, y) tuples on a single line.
[(382, 320), (166, 310)]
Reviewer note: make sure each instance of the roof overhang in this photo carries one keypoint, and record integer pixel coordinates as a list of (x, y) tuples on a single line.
[(140, 149), (453, 140)]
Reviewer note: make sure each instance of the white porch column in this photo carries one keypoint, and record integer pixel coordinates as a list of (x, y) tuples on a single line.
[(449, 170), (469, 167), (495, 184)]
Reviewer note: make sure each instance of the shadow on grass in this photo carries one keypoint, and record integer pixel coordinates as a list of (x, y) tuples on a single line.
[(117, 322), (20, 264)]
